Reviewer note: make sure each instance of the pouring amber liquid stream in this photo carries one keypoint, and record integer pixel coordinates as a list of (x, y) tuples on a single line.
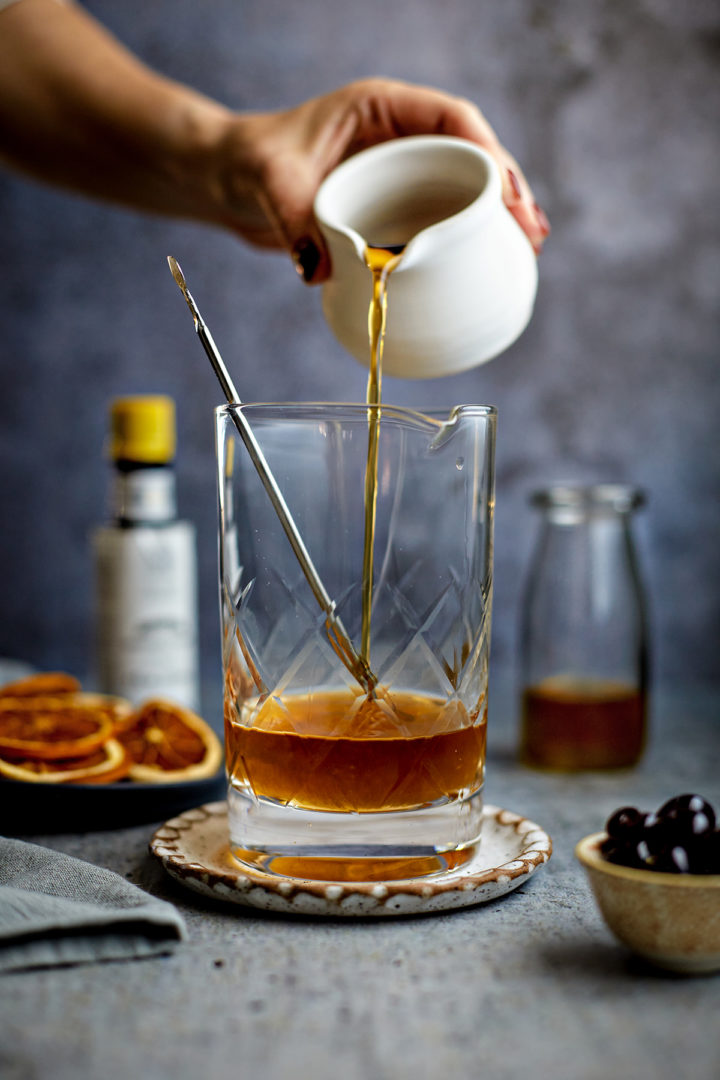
[(341, 751), (381, 261)]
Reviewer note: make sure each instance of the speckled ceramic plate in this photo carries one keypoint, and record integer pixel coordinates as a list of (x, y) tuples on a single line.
[(194, 850)]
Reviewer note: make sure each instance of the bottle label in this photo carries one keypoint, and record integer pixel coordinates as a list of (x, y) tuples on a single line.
[(147, 612), (144, 495)]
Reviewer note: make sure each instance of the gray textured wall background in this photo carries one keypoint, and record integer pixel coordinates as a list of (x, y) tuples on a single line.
[(611, 107)]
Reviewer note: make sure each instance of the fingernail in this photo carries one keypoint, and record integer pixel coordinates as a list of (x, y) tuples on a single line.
[(514, 184), (306, 258), (542, 219)]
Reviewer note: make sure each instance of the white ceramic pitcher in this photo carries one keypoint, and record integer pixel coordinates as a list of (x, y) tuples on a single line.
[(464, 288)]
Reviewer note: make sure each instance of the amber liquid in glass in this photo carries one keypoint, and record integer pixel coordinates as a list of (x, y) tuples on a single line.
[(344, 752), (347, 751), (575, 724)]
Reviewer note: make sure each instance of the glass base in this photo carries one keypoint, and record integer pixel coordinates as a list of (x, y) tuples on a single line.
[(323, 846)]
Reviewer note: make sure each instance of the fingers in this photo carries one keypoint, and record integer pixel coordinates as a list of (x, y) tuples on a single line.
[(520, 201), (387, 109), (293, 151)]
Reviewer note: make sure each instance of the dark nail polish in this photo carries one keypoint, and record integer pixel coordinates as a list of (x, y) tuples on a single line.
[(542, 219), (306, 257), (514, 184)]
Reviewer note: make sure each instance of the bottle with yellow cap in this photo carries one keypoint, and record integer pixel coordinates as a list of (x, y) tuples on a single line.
[(145, 563)]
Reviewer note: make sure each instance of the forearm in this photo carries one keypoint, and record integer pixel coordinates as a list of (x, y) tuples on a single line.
[(77, 109)]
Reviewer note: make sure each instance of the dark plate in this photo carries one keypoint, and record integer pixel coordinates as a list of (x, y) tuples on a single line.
[(27, 808)]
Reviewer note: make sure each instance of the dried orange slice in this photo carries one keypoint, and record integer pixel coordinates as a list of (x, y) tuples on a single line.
[(44, 684), (53, 728), (169, 744), (106, 764)]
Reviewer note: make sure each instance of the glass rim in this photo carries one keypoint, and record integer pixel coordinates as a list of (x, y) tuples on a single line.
[(435, 415), (619, 497)]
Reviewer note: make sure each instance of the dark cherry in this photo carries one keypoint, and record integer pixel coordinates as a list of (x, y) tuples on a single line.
[(654, 831), (625, 823), (680, 861), (680, 838), (672, 861), (612, 851), (654, 854), (705, 853), (689, 813)]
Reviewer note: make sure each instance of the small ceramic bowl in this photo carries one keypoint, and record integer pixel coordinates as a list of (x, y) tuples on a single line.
[(672, 920)]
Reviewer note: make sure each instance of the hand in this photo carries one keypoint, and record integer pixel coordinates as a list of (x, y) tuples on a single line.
[(78, 110), (271, 164)]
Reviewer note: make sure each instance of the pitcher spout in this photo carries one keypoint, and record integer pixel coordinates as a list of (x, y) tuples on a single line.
[(342, 238)]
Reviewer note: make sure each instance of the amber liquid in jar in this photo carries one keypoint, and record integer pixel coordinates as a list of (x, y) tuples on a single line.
[(574, 724), (340, 751)]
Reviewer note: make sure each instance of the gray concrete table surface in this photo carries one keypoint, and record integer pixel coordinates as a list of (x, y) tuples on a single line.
[(529, 985)]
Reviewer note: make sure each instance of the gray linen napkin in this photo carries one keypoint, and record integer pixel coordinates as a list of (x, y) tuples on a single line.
[(57, 910)]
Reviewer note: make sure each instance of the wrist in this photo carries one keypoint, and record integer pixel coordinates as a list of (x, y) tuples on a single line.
[(196, 134), (244, 162)]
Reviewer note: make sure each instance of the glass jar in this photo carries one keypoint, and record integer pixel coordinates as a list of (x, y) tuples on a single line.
[(583, 637)]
